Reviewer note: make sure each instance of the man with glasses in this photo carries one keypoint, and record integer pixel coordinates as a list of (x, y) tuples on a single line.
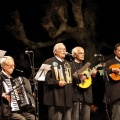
[(82, 95), (58, 87), (7, 68)]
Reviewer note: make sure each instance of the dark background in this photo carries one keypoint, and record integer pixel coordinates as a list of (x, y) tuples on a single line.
[(31, 12)]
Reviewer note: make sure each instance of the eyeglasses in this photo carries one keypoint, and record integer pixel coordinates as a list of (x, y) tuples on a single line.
[(10, 66)]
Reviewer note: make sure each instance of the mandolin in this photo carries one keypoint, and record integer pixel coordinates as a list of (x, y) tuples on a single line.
[(115, 76), (88, 80), (88, 72)]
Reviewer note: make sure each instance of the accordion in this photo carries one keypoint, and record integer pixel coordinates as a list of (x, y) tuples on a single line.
[(21, 94)]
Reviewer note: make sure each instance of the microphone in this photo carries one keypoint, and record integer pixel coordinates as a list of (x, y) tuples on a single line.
[(98, 55), (67, 53), (19, 70), (27, 52)]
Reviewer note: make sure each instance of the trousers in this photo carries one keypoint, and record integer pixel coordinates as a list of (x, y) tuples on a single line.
[(80, 111)]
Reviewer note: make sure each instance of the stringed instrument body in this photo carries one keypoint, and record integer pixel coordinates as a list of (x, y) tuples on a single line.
[(88, 72), (115, 76), (88, 80)]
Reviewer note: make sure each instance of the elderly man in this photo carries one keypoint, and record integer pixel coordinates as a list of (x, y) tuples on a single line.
[(58, 87), (82, 95), (10, 103)]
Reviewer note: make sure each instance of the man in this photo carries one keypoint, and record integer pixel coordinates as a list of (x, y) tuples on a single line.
[(10, 101), (82, 97), (58, 87), (112, 73)]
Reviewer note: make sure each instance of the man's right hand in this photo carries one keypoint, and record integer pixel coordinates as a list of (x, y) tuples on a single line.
[(116, 70), (62, 83), (7, 97)]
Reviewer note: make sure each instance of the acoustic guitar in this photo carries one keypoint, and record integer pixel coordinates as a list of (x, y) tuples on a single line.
[(115, 76)]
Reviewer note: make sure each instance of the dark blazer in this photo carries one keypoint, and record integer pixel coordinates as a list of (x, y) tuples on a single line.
[(112, 86), (53, 93), (80, 94)]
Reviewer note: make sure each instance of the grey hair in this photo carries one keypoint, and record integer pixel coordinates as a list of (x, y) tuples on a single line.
[(57, 46), (4, 59), (74, 51)]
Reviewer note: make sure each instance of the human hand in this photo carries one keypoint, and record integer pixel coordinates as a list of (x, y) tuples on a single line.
[(116, 70), (62, 83), (93, 72), (83, 77), (7, 97)]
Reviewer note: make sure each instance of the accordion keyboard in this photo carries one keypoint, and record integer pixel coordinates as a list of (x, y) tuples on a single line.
[(14, 96), (20, 98)]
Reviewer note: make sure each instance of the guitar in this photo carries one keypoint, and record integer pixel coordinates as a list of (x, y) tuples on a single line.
[(88, 72), (115, 76)]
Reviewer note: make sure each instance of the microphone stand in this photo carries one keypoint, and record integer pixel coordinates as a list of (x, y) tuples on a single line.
[(35, 85), (105, 75), (78, 81)]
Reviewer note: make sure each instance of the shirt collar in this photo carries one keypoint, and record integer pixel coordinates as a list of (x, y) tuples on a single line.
[(117, 58), (77, 61), (6, 74), (59, 59)]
